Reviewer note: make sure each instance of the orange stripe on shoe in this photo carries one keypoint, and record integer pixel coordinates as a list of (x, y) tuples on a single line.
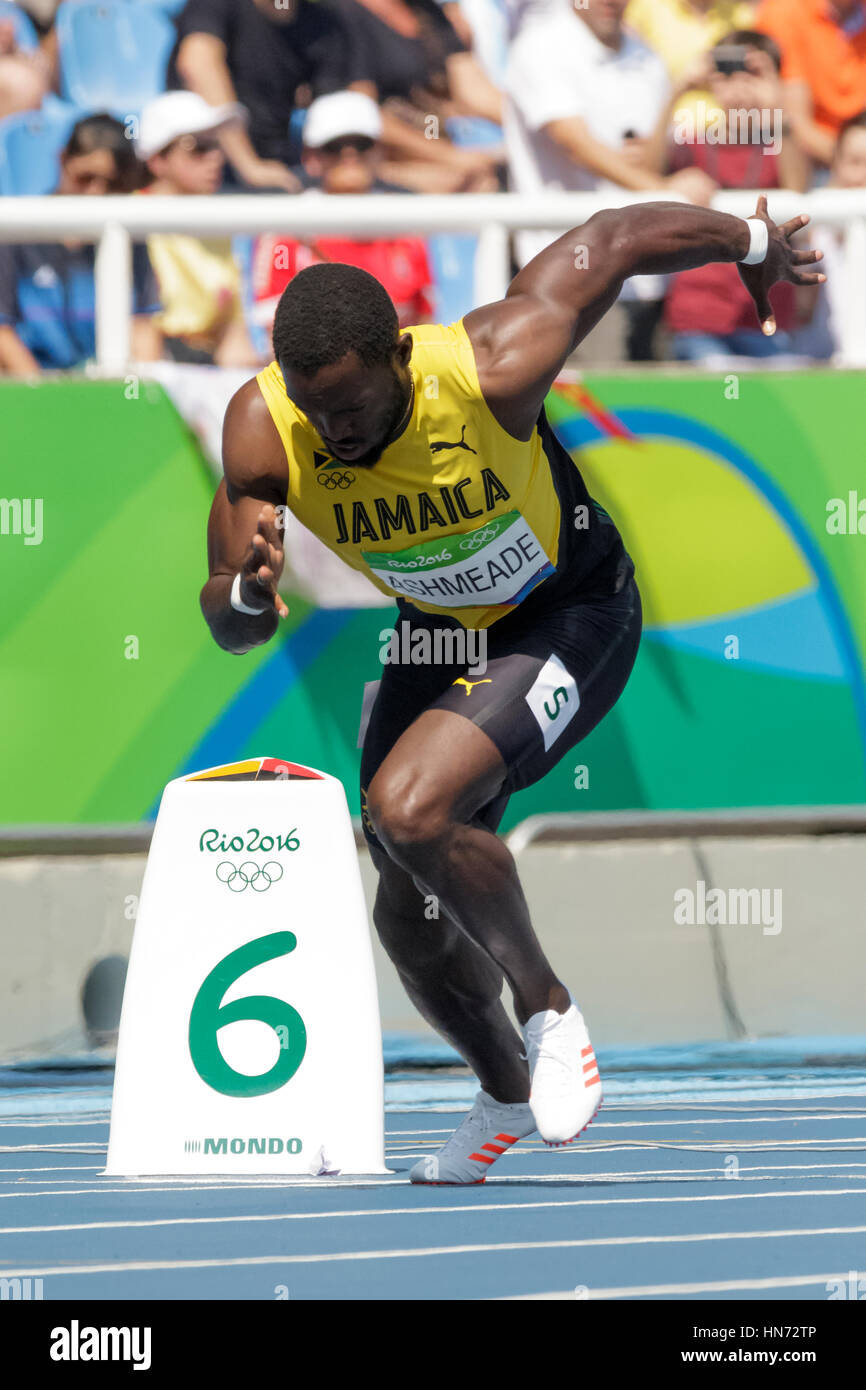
[(592, 1081), (483, 1158), (591, 1066), (585, 1051), (495, 1148), (507, 1138)]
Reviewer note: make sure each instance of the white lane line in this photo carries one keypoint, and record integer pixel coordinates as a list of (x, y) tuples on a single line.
[(807, 1112), (845, 1144), (54, 1168), (162, 1185), (396, 1135), (848, 1144), (493, 1247), (194, 1182), (756, 1172), (421, 1211), (11, 1122), (680, 1174), (794, 1281), (183, 1185), (64, 1147), (532, 1148), (748, 1115)]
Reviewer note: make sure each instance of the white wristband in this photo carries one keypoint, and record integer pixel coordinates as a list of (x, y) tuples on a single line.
[(760, 242), (238, 605)]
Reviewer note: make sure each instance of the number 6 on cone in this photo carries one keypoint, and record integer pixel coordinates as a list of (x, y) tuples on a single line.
[(250, 1039)]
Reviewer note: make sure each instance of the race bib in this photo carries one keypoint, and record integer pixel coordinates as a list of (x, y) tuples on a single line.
[(499, 562)]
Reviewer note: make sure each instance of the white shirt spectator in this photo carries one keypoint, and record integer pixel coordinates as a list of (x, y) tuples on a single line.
[(558, 68)]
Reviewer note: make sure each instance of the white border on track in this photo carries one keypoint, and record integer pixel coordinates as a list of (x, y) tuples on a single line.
[(155, 1186), (795, 1281), (493, 1247), (421, 1211)]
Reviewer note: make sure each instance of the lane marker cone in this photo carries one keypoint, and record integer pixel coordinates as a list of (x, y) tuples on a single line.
[(250, 1038)]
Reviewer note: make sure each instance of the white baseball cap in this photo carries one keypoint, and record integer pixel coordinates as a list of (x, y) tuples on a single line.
[(341, 113), (174, 114)]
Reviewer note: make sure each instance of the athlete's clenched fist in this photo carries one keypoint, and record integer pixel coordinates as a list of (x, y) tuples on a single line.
[(263, 565)]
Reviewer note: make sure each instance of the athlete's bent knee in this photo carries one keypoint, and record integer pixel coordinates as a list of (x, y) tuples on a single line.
[(406, 812)]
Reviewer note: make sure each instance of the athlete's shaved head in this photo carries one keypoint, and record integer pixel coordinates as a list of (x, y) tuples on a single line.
[(329, 310), (344, 361)]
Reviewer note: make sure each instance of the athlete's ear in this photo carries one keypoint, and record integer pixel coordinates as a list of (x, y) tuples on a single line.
[(403, 350)]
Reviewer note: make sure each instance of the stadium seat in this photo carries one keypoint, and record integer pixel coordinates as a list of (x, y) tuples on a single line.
[(26, 36), (113, 55), (452, 258), (30, 145)]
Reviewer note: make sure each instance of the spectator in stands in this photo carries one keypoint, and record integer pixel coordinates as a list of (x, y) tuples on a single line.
[(585, 95), (709, 310), (24, 75), (483, 27), (42, 12), (47, 295), (343, 152), (682, 31), (422, 72), (823, 45), (271, 59), (199, 282), (823, 314), (740, 120)]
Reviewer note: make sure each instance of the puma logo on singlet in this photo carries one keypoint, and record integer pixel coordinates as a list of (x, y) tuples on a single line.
[(470, 685), (438, 445)]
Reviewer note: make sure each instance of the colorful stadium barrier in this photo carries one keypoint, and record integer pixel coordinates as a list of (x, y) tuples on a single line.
[(738, 500)]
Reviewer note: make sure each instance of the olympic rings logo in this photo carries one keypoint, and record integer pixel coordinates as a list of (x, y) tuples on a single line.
[(259, 877), (478, 538), (334, 478)]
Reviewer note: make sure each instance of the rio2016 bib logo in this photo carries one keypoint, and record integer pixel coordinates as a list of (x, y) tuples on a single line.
[(209, 1014)]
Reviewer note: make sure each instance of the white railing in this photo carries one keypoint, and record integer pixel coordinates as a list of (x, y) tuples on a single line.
[(114, 222)]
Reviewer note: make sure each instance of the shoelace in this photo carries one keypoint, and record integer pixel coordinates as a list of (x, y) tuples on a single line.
[(479, 1119), (534, 1045), (474, 1120)]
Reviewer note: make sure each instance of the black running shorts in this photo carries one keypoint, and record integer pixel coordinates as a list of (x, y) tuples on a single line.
[(548, 681)]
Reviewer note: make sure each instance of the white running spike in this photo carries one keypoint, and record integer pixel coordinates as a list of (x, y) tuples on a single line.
[(484, 1135), (566, 1089)]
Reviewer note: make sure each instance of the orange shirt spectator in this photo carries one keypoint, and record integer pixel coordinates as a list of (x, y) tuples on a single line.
[(823, 45)]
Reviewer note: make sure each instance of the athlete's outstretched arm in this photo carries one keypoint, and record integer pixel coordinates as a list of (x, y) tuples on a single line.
[(243, 535), (522, 342)]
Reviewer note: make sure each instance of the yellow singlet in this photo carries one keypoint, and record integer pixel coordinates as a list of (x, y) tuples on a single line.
[(456, 517)]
